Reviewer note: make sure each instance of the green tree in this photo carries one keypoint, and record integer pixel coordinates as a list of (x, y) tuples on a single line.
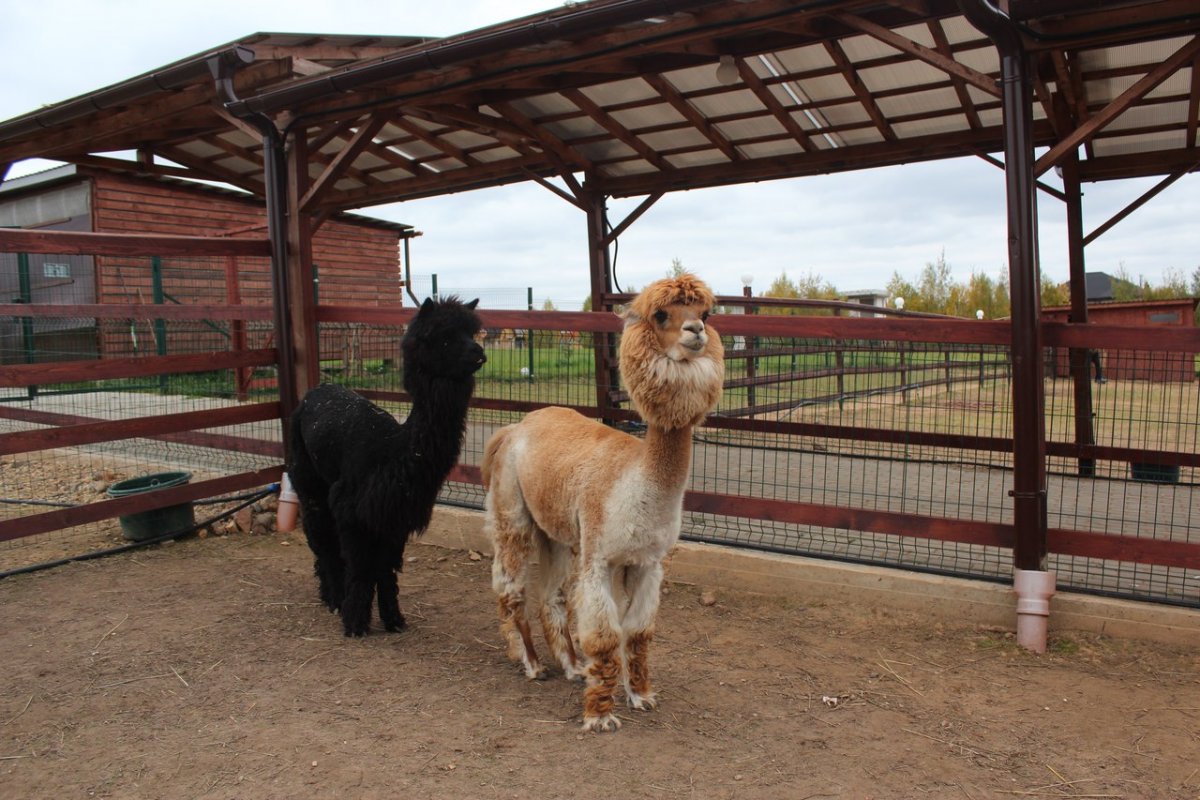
[(934, 288), (810, 287), (676, 269), (1055, 294), (899, 286)]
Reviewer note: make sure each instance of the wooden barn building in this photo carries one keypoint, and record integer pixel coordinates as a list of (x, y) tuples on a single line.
[(1130, 364), (356, 258)]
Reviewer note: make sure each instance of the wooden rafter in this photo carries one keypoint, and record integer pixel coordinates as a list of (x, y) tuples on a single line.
[(775, 108), (1114, 109), (139, 167), (1070, 84), (850, 75), (618, 131), (689, 112), (443, 146), (496, 173), (180, 110), (467, 119), (568, 157), (919, 51), (342, 162), (960, 86), (1194, 106), (251, 182)]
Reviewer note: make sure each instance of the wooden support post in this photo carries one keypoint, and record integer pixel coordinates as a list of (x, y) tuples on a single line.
[(607, 376), (301, 297), (1080, 363)]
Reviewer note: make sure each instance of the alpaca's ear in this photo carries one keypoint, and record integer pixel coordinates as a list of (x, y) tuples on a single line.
[(629, 315), (428, 304), (471, 305)]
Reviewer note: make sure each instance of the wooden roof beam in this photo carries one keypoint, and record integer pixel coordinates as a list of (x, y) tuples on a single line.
[(777, 109), (138, 167), (1070, 83), (568, 157), (118, 125), (919, 51), (689, 112), (850, 75), (212, 171), (1087, 130), (443, 146), (486, 125), (1194, 106), (496, 173), (960, 85), (604, 120), (342, 162)]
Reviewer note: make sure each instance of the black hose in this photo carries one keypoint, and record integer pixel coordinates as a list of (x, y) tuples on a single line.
[(249, 499)]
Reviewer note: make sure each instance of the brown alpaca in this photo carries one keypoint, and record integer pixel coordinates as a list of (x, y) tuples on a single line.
[(560, 483)]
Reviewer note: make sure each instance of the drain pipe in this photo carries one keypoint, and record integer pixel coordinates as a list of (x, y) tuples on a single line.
[(1033, 584), (275, 183)]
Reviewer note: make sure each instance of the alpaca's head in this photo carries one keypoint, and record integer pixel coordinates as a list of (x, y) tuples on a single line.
[(440, 342), (672, 361)]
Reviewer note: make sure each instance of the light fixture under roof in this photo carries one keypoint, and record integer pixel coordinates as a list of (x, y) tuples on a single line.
[(727, 71)]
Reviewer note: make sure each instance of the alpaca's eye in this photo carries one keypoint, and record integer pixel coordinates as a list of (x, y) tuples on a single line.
[(704, 317), (660, 317)]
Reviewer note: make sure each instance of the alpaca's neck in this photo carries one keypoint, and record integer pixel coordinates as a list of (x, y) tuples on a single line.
[(668, 457), (438, 418)]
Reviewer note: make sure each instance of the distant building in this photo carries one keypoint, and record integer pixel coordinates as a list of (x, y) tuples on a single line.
[(875, 298), (1126, 364), (356, 259)]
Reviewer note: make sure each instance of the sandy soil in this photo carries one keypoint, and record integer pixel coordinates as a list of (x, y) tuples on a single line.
[(205, 669)]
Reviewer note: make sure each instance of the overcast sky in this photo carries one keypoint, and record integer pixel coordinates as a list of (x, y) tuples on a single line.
[(853, 229)]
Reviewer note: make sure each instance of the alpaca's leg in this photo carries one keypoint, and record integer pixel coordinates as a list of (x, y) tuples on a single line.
[(510, 573), (321, 532), (512, 532), (361, 577), (555, 561), (599, 634), (642, 585), (388, 595)]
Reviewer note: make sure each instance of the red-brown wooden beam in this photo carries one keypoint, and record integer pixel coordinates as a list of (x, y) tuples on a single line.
[(126, 244), (145, 501), (216, 441), (80, 433), (116, 368)]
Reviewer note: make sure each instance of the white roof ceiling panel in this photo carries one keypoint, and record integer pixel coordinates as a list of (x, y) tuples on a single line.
[(721, 105), (900, 76), (697, 158), (754, 128)]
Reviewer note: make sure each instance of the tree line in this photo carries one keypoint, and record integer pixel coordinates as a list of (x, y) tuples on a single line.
[(935, 291)]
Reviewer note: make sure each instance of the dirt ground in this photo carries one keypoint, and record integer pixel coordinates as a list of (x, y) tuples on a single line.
[(206, 669)]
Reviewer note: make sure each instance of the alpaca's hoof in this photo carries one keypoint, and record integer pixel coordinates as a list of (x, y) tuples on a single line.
[(535, 672), (601, 724), (576, 673), (397, 624), (642, 702)]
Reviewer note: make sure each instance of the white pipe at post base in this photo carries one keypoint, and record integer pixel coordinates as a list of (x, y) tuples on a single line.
[(285, 514), (1034, 589)]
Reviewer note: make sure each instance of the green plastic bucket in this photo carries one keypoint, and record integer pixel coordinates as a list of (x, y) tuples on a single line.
[(157, 521)]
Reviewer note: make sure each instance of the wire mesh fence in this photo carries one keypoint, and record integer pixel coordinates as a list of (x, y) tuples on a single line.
[(919, 432), (88, 374)]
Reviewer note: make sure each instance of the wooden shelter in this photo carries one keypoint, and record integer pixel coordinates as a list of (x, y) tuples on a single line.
[(637, 98), (356, 258)]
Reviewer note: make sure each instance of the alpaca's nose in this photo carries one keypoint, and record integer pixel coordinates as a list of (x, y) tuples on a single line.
[(695, 326)]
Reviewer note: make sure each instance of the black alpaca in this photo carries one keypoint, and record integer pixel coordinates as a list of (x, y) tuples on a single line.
[(367, 482)]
